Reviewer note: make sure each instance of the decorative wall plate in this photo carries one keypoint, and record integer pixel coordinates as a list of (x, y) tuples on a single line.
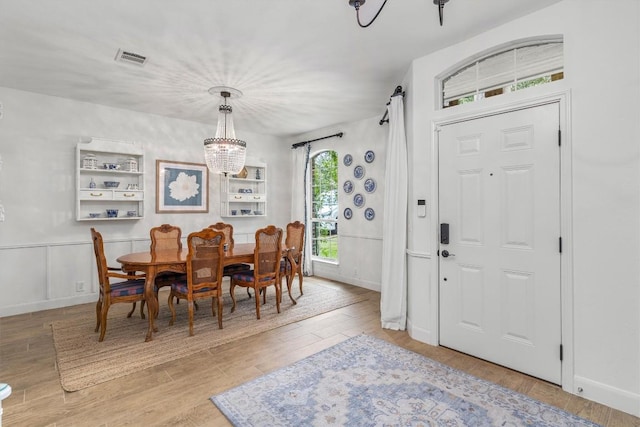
[(369, 214), (348, 213), (358, 172), (347, 160), (347, 186), (369, 156), (370, 185), (358, 200)]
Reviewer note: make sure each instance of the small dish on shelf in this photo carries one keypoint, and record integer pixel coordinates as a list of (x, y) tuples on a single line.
[(112, 213), (258, 213), (111, 166), (245, 211), (95, 214), (111, 184)]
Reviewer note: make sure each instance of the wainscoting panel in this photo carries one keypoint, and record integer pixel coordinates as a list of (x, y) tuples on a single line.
[(420, 316), (24, 275), (52, 275)]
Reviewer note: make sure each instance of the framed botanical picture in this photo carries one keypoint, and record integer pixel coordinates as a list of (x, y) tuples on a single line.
[(181, 187)]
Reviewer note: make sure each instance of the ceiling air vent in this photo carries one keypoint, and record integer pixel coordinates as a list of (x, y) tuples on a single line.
[(130, 58)]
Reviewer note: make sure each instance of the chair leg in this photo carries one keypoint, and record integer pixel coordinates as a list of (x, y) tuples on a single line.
[(300, 279), (219, 299), (172, 308), (248, 293), (142, 303), (278, 286), (233, 297), (103, 321), (289, 283), (257, 298), (132, 310), (98, 312), (190, 305)]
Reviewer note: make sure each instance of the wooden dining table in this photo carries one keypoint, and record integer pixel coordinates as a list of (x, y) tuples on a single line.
[(152, 263)]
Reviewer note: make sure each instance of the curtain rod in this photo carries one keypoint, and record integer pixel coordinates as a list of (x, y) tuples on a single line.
[(396, 92), (303, 143)]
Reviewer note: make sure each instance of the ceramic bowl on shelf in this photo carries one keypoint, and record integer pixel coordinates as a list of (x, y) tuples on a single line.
[(111, 184), (112, 213), (258, 212), (234, 212), (132, 213), (95, 214), (245, 211), (111, 166)]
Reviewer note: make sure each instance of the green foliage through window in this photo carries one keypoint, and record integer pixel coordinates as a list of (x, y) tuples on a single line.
[(324, 214)]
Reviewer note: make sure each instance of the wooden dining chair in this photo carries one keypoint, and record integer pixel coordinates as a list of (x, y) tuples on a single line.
[(166, 237), (266, 267), (295, 251), (204, 274), (230, 270), (129, 287)]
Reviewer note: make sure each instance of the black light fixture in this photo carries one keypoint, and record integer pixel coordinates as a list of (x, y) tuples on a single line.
[(440, 4), (357, 3)]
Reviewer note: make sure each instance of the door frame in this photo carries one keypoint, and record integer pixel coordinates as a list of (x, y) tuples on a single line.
[(563, 99)]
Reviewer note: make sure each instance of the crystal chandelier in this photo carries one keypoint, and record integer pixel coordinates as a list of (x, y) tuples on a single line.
[(224, 153)]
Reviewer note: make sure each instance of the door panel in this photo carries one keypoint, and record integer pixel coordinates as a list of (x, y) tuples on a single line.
[(499, 179)]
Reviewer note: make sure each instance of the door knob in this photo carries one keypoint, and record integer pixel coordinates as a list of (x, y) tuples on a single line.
[(446, 254)]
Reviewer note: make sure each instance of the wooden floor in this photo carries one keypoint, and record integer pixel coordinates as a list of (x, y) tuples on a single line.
[(177, 393)]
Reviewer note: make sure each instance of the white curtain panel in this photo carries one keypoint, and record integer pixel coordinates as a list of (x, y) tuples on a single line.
[(302, 198), (393, 300)]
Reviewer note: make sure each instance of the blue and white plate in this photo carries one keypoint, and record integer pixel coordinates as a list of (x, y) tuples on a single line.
[(369, 156), (369, 214), (347, 160), (370, 185), (358, 172), (347, 186), (358, 200), (348, 213)]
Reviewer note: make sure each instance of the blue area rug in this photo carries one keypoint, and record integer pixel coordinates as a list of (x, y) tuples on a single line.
[(365, 381)]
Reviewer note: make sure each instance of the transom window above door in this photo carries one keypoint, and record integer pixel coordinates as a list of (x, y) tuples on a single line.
[(506, 71)]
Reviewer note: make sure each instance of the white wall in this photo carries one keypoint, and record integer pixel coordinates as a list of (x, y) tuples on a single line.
[(602, 73), (359, 240), (43, 249)]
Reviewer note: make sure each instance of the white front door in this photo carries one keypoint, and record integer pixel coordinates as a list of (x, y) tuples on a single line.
[(499, 192)]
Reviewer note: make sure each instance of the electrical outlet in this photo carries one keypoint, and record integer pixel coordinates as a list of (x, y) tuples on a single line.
[(80, 286)]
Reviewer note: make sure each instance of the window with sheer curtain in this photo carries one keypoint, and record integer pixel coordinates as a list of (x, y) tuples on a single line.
[(507, 71), (324, 210)]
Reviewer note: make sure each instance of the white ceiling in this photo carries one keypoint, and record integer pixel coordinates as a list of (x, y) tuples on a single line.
[(302, 64)]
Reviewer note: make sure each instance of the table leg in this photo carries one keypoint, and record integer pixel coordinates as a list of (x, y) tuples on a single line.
[(152, 301)]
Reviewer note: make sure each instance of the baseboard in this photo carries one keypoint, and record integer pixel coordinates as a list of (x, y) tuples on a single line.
[(419, 334), (31, 307), (622, 400), (327, 274)]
